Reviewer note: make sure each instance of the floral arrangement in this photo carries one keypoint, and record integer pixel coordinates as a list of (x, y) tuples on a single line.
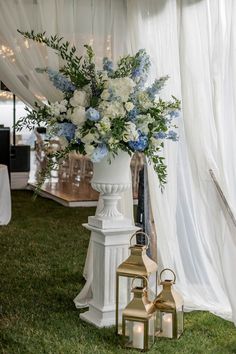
[(104, 111)]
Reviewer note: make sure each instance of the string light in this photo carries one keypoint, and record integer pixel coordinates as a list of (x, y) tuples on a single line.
[(26, 43), (7, 52)]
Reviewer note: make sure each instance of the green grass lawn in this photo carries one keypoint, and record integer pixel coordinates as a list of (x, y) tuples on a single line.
[(42, 253)]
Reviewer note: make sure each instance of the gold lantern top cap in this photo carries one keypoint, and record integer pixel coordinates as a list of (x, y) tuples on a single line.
[(139, 307), (138, 263), (168, 299)]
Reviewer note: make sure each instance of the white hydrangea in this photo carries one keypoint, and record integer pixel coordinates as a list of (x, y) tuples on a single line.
[(105, 95), (80, 98), (130, 133), (112, 142), (104, 125), (112, 109), (120, 87), (78, 116), (144, 100), (155, 142), (54, 109), (142, 121), (63, 106)]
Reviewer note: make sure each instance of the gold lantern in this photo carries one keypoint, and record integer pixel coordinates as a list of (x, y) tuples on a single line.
[(137, 265), (169, 305), (139, 320)]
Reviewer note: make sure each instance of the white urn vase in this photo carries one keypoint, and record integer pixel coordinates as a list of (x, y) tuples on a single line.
[(111, 178)]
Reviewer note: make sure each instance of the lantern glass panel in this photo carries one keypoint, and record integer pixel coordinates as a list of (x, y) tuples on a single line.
[(138, 332), (135, 334), (124, 297), (151, 330), (180, 321), (165, 324)]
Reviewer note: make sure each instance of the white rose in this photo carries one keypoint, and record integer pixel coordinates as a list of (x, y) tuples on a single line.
[(80, 98), (89, 149), (78, 116), (129, 106)]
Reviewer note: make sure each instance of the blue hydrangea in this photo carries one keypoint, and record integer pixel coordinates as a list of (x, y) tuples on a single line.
[(92, 114), (60, 81), (107, 65), (172, 135), (99, 153), (132, 114), (140, 144), (156, 86), (66, 130)]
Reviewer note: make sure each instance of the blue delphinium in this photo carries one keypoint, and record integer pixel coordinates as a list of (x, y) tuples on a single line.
[(99, 153), (172, 135), (174, 114), (108, 65), (156, 86), (67, 130), (160, 135), (92, 114), (140, 144), (140, 71), (60, 81)]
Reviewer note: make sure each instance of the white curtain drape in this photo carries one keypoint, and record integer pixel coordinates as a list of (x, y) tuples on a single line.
[(194, 42)]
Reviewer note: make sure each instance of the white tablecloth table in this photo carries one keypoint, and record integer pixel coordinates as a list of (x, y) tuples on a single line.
[(5, 196)]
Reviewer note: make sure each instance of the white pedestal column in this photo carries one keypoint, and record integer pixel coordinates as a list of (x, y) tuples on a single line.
[(110, 248)]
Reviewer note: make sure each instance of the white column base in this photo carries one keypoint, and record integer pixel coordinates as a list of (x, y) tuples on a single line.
[(110, 248)]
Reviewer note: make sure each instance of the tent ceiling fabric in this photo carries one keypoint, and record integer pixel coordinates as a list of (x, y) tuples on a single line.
[(194, 42)]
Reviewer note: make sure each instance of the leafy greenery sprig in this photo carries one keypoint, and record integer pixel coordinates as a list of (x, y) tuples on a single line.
[(72, 67)]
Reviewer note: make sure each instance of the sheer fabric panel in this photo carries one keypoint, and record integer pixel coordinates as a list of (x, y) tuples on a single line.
[(194, 41)]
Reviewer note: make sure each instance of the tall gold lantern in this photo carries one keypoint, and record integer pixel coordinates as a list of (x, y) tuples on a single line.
[(137, 265), (169, 305), (139, 320)]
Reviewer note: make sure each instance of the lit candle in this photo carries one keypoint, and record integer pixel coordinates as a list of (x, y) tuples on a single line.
[(138, 335), (167, 325)]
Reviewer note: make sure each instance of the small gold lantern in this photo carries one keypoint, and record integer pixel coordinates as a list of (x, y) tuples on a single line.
[(169, 305), (139, 320), (137, 265)]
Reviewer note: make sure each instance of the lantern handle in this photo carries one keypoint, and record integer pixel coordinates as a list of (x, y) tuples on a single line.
[(170, 270), (140, 277), (141, 233)]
